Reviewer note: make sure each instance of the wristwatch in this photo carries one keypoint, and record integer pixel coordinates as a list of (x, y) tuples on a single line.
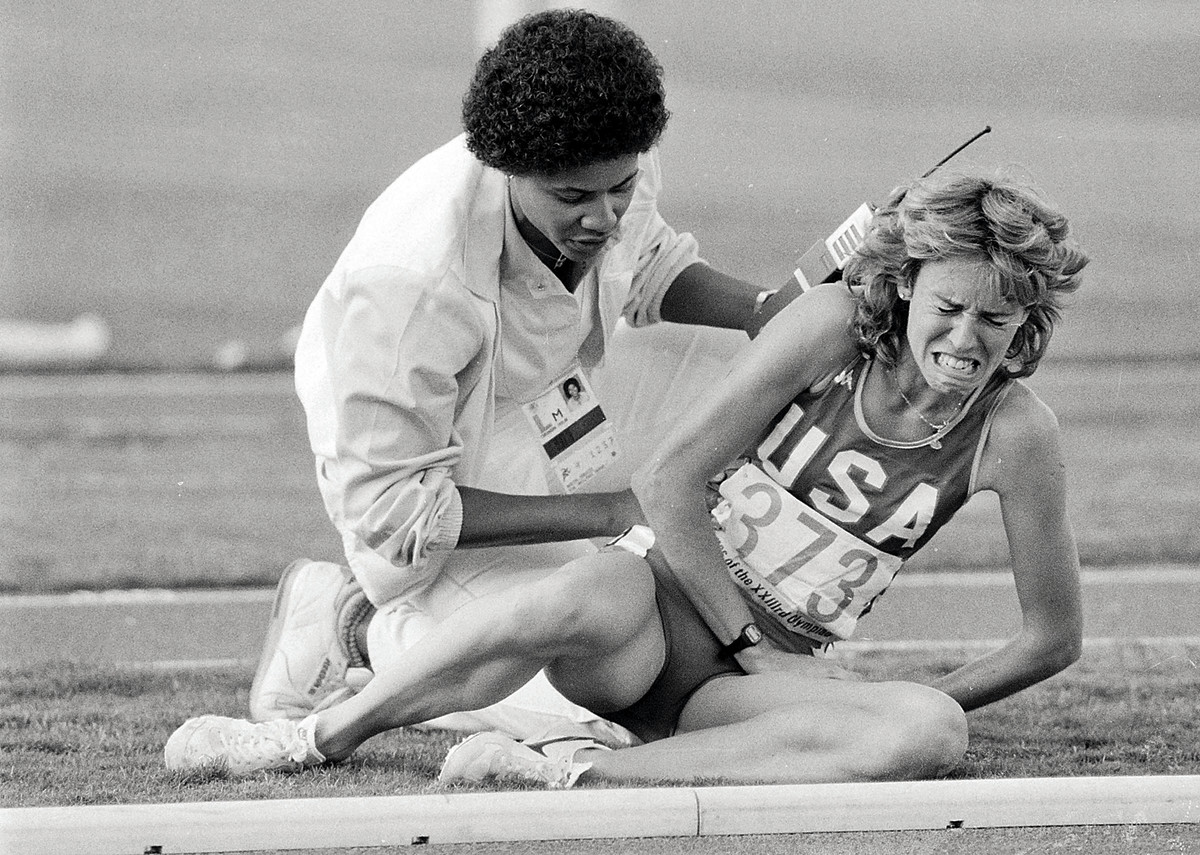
[(748, 637)]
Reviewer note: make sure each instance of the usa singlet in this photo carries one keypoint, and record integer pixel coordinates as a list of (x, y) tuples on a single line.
[(817, 522)]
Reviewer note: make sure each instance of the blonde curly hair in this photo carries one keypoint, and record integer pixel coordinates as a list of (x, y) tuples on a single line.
[(1024, 244)]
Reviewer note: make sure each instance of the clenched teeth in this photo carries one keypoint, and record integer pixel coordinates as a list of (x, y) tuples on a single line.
[(955, 363)]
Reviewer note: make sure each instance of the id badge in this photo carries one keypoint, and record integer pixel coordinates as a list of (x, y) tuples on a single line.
[(578, 440)]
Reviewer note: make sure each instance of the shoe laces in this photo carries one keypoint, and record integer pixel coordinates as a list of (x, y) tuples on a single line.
[(280, 742), (553, 772)]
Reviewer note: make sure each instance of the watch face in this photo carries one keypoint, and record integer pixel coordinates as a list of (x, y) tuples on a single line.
[(753, 634)]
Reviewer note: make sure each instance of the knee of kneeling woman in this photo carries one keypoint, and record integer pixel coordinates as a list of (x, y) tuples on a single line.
[(922, 733)]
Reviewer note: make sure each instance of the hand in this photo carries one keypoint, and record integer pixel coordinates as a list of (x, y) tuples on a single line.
[(765, 659)]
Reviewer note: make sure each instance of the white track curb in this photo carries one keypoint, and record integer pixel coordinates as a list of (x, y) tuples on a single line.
[(584, 814)]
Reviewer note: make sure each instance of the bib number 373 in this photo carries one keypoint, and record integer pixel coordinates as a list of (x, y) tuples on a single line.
[(816, 571)]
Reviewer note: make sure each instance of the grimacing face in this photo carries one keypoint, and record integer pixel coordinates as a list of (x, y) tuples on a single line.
[(958, 330), (576, 210)]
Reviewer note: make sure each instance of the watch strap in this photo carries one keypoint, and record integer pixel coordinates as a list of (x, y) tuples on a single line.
[(748, 637)]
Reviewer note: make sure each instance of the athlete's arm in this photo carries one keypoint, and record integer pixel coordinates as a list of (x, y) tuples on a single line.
[(809, 341), (1023, 463)]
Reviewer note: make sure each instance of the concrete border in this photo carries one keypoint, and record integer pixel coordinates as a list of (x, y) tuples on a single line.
[(683, 812)]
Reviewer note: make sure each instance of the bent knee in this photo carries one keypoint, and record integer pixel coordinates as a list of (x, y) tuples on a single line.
[(920, 733), (593, 602)]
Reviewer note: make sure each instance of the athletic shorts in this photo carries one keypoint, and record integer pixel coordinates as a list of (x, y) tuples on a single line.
[(693, 657)]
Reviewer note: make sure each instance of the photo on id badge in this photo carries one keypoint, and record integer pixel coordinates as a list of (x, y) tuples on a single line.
[(576, 436)]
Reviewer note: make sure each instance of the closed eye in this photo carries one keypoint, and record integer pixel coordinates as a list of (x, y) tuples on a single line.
[(995, 321), (1006, 320)]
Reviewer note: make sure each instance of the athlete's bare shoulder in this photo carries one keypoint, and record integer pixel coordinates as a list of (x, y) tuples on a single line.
[(1023, 442), (1023, 413), (815, 329)]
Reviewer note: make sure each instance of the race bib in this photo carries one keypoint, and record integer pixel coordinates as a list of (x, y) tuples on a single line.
[(811, 575), (574, 433)]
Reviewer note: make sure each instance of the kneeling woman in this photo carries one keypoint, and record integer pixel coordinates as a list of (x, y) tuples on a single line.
[(865, 414)]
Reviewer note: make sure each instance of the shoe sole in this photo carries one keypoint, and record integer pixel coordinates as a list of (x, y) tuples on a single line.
[(283, 594)]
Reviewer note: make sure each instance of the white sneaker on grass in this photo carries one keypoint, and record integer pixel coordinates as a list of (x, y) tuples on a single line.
[(242, 747), (495, 755), (303, 665)]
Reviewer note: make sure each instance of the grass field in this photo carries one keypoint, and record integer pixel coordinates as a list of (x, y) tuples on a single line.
[(73, 735)]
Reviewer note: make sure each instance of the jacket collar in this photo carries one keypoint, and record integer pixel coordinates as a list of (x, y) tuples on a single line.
[(483, 237)]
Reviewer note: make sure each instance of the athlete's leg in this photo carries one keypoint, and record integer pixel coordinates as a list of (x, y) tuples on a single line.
[(597, 612), (535, 710), (782, 728)]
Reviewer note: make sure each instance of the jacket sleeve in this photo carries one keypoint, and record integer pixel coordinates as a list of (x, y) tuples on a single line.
[(401, 350)]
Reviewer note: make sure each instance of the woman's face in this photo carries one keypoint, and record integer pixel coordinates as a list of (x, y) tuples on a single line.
[(958, 329), (577, 210)]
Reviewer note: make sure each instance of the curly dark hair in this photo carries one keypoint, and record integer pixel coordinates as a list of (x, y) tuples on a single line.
[(1023, 244), (563, 89)]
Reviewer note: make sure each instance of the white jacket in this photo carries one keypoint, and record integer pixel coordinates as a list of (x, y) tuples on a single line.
[(435, 324)]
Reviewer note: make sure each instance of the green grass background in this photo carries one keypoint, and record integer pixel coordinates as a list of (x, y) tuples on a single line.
[(74, 734)]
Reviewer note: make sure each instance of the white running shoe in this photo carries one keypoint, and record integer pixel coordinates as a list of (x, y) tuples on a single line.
[(495, 755), (242, 747), (302, 668)]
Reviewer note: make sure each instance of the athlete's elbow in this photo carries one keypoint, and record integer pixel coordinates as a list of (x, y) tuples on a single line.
[(1058, 650), (1069, 651), (667, 475), (649, 482)]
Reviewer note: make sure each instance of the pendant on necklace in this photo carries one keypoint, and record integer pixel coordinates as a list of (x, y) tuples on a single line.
[(935, 441)]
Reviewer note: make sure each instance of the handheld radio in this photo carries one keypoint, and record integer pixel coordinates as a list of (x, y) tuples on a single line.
[(824, 260)]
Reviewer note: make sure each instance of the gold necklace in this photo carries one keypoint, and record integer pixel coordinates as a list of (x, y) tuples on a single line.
[(936, 426), (558, 262)]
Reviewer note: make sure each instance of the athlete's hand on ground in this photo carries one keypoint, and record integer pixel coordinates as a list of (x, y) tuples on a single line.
[(764, 659)]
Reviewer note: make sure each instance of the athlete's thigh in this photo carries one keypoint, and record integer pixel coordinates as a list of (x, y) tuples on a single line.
[(627, 649), (736, 698)]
